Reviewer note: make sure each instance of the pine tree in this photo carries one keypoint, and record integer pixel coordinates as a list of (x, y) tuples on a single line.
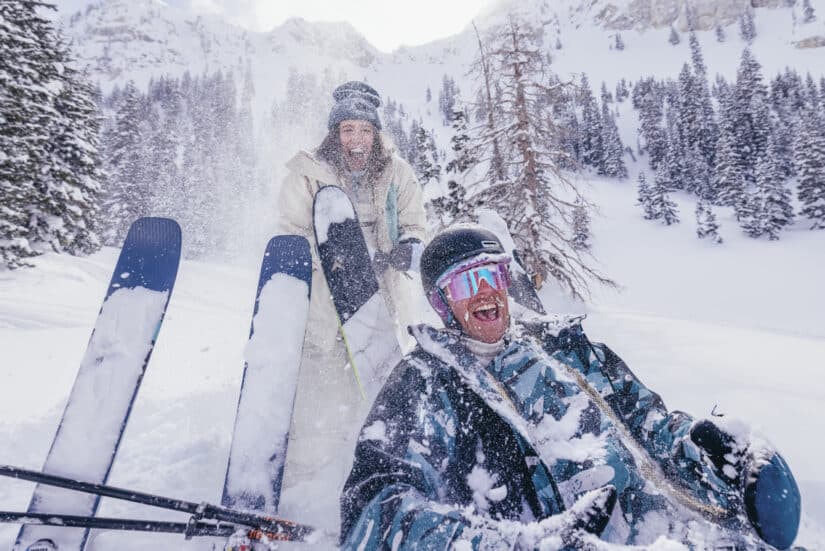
[(720, 34), (591, 128), (660, 204), (122, 196), (463, 156), (581, 228), (751, 116), (773, 197), (426, 165), (448, 208), (706, 225), (25, 113), (644, 198), (612, 162), (747, 25), (808, 15), (621, 91), (447, 99), (532, 196), (76, 172), (809, 160), (674, 38), (49, 174), (619, 44), (651, 129)]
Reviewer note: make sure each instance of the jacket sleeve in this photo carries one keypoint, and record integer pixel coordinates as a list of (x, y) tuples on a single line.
[(391, 498), (295, 206), (665, 435), (412, 221), (391, 493)]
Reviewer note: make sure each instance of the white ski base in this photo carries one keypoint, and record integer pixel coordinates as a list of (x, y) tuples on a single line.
[(98, 405), (273, 359)]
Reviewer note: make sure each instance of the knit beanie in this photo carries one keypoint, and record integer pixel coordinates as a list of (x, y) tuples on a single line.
[(355, 101)]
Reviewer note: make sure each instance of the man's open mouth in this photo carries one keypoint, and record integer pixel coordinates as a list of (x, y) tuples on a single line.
[(487, 312)]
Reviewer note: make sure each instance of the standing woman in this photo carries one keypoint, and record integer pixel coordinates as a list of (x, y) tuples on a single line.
[(357, 157)]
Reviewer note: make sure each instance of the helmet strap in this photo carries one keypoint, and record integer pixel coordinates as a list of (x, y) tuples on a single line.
[(450, 322)]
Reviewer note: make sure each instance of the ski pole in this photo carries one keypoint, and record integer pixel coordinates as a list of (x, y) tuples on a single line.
[(284, 529), (73, 521)]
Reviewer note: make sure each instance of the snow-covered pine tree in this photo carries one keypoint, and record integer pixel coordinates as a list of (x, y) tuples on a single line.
[(448, 208), (773, 198), (650, 125), (463, 157), (728, 180), (122, 195), (581, 228), (25, 110), (809, 160), (447, 99), (49, 173), (621, 91), (426, 165), (747, 25), (535, 199), (591, 130), (707, 129), (613, 163), (619, 42), (706, 225), (76, 172), (720, 33), (808, 14), (660, 204), (674, 37), (644, 198), (752, 121)]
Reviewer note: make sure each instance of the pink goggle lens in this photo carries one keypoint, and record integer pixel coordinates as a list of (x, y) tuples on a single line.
[(465, 284)]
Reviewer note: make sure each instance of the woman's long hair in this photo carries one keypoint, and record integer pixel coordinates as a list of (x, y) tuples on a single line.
[(332, 152)]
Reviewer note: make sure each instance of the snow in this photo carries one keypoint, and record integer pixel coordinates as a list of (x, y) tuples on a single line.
[(693, 352), (330, 212), (737, 328), (273, 357)]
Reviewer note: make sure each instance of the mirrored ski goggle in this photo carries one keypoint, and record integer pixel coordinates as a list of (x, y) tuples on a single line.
[(466, 283)]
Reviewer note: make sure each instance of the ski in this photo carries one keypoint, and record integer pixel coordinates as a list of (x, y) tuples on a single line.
[(272, 528), (109, 376), (365, 321), (272, 362)]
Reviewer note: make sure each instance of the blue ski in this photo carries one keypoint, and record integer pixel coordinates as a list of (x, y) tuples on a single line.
[(108, 379), (272, 363)]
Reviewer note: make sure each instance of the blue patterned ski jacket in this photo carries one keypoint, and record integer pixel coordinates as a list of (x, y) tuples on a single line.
[(454, 451)]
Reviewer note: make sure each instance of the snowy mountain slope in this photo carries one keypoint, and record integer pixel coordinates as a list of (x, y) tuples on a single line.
[(748, 342)]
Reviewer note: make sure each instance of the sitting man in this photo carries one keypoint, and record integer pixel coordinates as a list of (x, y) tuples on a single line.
[(492, 435)]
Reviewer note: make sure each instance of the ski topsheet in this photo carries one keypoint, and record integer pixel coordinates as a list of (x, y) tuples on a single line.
[(366, 324), (272, 362), (109, 376)]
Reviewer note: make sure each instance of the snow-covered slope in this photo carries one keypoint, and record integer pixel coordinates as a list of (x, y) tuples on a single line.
[(738, 327)]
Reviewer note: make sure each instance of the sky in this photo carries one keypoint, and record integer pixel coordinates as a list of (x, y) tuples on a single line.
[(386, 24)]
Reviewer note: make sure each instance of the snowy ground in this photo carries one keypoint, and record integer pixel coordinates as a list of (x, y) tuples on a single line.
[(739, 326)]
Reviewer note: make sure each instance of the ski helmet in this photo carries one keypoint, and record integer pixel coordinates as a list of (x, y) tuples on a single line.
[(449, 249)]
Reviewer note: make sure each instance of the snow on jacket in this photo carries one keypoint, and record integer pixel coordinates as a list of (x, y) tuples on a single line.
[(450, 441)]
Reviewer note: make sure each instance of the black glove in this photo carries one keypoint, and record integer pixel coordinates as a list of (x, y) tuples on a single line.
[(400, 258), (720, 447)]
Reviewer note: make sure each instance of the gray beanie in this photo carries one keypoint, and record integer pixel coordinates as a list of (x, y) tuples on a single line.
[(355, 101)]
